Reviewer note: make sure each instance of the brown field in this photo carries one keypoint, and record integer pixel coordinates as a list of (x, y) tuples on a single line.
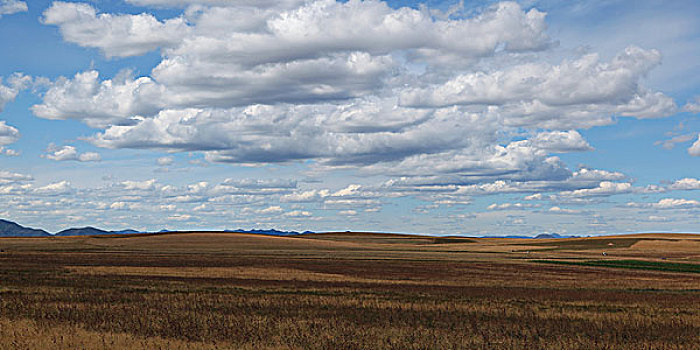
[(349, 291)]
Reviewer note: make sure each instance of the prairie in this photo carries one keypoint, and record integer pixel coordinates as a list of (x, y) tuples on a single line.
[(208, 290)]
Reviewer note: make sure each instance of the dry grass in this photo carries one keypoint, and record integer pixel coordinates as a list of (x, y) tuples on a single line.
[(27, 334), (206, 291)]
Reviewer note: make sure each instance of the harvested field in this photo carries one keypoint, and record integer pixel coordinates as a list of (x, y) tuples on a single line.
[(349, 291)]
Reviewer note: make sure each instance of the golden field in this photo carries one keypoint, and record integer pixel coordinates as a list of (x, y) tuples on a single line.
[(205, 290)]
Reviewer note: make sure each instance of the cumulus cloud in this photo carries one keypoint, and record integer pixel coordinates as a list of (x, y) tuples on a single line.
[(605, 188), (98, 104), (123, 206), (558, 210), (8, 134), (180, 217), (319, 50), (447, 107), (668, 203), (67, 153), (577, 93), (298, 214), (283, 133), (565, 183), (311, 133), (10, 177), (511, 206), (580, 82), (232, 3), (10, 152), (55, 189), (8, 7), (139, 185), (353, 196), (348, 191), (687, 183), (693, 106), (274, 209), (15, 83), (694, 149), (165, 161), (306, 196), (558, 142), (671, 143), (115, 35)]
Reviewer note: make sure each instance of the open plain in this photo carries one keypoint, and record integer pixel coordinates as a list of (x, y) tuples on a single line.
[(207, 290)]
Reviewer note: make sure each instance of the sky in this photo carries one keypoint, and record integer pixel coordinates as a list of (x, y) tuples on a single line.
[(438, 117)]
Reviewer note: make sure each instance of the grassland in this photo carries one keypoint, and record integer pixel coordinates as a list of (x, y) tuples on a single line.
[(349, 291), (632, 264)]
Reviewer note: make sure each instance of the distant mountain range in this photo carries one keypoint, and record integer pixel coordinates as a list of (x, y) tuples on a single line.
[(540, 236), (92, 231), (552, 235), (11, 229), (271, 232)]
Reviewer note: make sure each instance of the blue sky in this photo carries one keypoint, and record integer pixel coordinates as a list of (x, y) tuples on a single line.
[(441, 117)]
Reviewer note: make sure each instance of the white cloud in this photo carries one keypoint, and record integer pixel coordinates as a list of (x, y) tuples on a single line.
[(260, 184), (307, 53), (671, 143), (89, 157), (323, 81), (67, 153), (275, 209), (146, 185), (686, 184), (320, 50), (115, 35), (351, 190), (557, 178), (10, 152), (8, 7), (98, 104), (656, 218), (443, 107), (297, 214), (55, 189), (16, 83), (605, 188), (180, 217), (668, 203), (558, 210), (119, 206), (693, 106), (587, 174), (9, 177), (306, 196), (8, 134), (557, 142), (165, 161), (534, 197), (585, 82), (510, 206), (694, 150), (231, 3)]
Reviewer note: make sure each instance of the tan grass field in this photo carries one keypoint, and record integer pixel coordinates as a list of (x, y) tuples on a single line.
[(349, 291)]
